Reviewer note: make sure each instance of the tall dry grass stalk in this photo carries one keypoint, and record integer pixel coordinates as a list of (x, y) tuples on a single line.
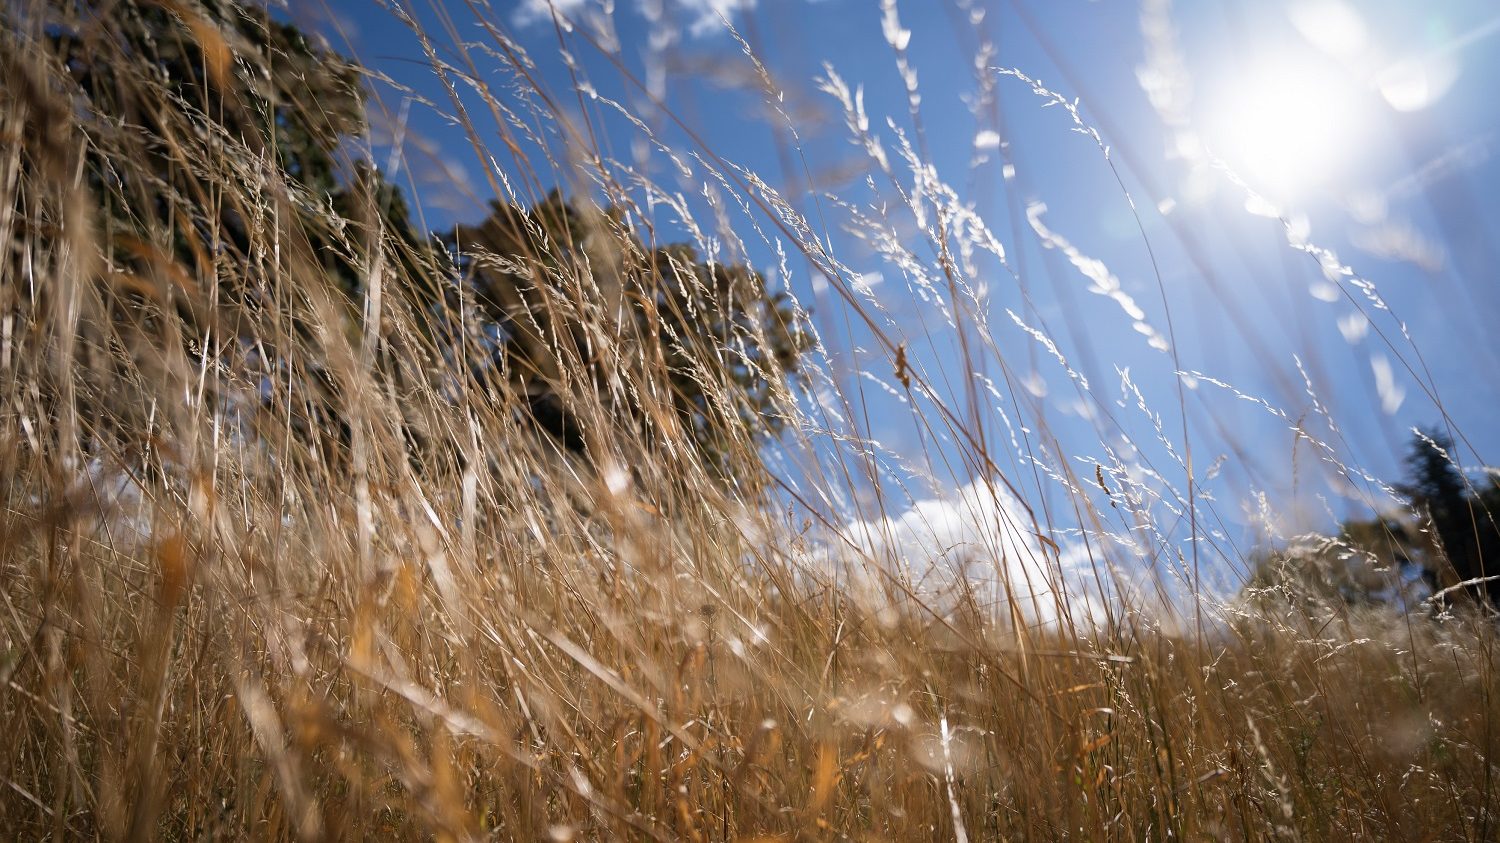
[(239, 601)]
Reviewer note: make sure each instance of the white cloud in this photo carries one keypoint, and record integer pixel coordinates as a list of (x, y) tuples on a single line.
[(980, 540), (709, 15), (987, 139), (536, 11), (1392, 394), (702, 17)]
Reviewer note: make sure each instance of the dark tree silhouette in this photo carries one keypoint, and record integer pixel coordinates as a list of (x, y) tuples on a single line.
[(1462, 542), (178, 99), (185, 96), (585, 312), (225, 78)]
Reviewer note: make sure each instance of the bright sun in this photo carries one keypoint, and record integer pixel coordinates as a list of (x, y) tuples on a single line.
[(1288, 127)]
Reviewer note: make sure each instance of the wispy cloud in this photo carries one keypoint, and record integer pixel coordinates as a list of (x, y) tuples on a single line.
[(708, 16), (702, 17), (1392, 394), (536, 11)]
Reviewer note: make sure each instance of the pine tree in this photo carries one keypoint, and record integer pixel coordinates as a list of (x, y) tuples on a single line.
[(1463, 542)]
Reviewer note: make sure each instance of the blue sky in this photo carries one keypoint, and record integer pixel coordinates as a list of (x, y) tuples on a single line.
[(1367, 129)]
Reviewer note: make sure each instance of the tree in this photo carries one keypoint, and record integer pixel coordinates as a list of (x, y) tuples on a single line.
[(583, 311), (196, 79), (1462, 542), (218, 136), (1368, 563), (1448, 540), (217, 141)]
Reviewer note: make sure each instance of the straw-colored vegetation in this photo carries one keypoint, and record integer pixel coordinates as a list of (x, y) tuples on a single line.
[(290, 549)]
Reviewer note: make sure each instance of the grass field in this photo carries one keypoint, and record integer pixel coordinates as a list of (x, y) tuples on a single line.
[(240, 602)]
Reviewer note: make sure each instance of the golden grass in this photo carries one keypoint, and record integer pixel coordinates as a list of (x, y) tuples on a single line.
[(222, 621)]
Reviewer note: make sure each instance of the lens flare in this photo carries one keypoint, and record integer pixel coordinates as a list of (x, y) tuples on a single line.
[(1289, 127)]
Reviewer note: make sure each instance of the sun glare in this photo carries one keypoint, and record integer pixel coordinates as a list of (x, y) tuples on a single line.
[(1288, 127)]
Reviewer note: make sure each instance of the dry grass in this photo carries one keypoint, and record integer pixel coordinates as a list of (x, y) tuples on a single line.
[(221, 620)]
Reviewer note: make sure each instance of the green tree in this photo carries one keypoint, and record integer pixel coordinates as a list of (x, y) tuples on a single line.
[(1449, 541), (219, 136), (583, 311), (204, 79), (1367, 563), (1462, 541)]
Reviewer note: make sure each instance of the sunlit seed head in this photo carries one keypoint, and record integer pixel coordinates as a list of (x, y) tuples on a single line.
[(616, 479)]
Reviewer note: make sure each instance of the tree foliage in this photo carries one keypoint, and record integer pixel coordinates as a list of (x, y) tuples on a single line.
[(579, 317), (1447, 542), (1367, 563), (586, 314), (191, 79), (1462, 542), (215, 145)]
